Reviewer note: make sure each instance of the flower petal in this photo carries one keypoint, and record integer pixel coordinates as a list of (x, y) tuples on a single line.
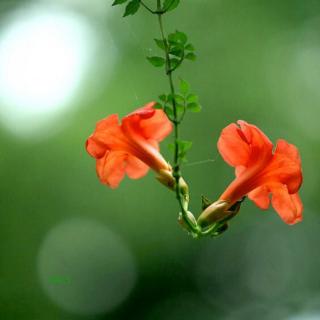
[(149, 123), (111, 168), (233, 146), (244, 146), (289, 207), (259, 144), (95, 148), (135, 168), (289, 150), (285, 167), (157, 127), (107, 135), (260, 196)]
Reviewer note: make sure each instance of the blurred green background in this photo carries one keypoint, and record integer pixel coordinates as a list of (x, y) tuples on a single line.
[(72, 248)]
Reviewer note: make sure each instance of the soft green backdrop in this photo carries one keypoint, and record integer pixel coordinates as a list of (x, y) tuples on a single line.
[(67, 241)]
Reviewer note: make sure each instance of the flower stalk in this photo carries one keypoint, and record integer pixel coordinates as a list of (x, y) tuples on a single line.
[(181, 187)]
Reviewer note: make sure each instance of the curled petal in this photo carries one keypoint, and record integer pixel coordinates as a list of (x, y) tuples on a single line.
[(111, 168), (95, 148), (290, 172), (289, 207), (244, 146), (148, 122), (233, 146), (106, 136), (259, 144), (284, 168), (157, 127), (260, 196), (289, 150)]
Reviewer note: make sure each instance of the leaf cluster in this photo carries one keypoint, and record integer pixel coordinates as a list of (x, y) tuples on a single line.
[(177, 48), (183, 146), (183, 102)]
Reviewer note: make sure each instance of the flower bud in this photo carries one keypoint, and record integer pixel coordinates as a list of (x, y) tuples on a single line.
[(191, 221), (216, 212), (166, 178)]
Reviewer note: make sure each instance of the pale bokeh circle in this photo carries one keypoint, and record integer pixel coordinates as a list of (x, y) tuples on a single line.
[(85, 268), (44, 56)]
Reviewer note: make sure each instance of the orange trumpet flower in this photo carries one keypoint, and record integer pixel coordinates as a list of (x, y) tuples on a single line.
[(260, 172), (131, 147)]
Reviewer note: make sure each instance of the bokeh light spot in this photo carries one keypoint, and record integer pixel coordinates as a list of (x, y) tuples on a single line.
[(85, 268), (43, 57)]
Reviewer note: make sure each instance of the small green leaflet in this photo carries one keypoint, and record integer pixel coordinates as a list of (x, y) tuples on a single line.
[(168, 111), (178, 38), (184, 87), (189, 47), (160, 43), (191, 56), (156, 61), (174, 63), (194, 107), (176, 51), (192, 98), (170, 4), (116, 2), (132, 7), (179, 99), (184, 145)]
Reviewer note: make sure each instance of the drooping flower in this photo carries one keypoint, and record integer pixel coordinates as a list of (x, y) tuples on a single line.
[(262, 174), (131, 147)]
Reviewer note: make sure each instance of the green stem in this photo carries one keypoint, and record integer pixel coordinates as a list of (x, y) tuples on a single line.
[(150, 10), (182, 199)]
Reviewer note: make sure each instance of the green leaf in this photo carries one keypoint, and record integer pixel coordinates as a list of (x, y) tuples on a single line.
[(156, 61), (180, 108), (174, 63), (184, 145), (176, 51), (184, 87), (132, 7), (179, 99), (170, 98), (170, 4), (191, 56), (160, 43), (163, 97), (157, 106), (178, 38), (194, 107), (168, 110), (192, 98), (116, 2), (189, 47)]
